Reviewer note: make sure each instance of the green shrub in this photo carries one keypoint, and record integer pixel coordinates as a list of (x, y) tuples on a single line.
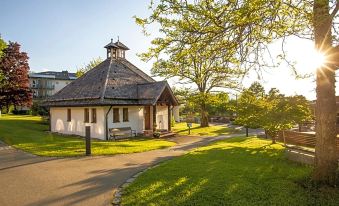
[(20, 112), (38, 110)]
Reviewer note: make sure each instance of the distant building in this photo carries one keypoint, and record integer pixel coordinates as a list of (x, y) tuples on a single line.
[(45, 84)]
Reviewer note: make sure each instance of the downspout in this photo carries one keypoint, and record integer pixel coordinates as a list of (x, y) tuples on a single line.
[(106, 117)]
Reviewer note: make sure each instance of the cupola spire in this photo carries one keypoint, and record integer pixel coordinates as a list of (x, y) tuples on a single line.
[(116, 50)]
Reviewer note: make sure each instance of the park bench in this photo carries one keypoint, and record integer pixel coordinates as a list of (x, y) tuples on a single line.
[(121, 132), (300, 145)]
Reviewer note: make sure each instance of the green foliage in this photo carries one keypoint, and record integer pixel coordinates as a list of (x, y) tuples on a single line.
[(14, 83), (29, 134), (272, 111), (3, 45), (37, 109), (217, 103), (249, 110), (237, 171), (236, 33), (93, 63), (283, 112), (20, 112)]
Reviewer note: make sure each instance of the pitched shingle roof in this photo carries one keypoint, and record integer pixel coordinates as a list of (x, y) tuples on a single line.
[(121, 45), (113, 82)]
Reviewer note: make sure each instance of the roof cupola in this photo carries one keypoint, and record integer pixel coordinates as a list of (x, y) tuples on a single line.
[(116, 50)]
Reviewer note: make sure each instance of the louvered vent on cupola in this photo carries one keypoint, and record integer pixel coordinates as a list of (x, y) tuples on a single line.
[(116, 50)]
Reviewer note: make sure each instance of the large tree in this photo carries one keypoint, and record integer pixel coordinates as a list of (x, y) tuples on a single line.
[(14, 87), (243, 31), (180, 55), (326, 161)]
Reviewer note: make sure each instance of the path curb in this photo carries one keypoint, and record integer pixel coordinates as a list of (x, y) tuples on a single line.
[(119, 192)]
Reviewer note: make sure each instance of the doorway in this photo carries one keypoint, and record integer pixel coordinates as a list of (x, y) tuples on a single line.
[(147, 117)]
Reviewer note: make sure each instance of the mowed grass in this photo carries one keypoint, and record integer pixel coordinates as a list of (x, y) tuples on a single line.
[(236, 171), (182, 129), (30, 134)]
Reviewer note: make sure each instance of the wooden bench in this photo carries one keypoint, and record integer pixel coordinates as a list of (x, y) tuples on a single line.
[(299, 141), (121, 132)]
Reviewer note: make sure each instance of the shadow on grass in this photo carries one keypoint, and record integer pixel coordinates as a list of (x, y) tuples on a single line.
[(30, 136), (228, 175)]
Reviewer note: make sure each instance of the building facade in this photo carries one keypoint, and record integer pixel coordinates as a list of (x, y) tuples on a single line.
[(113, 95), (46, 84)]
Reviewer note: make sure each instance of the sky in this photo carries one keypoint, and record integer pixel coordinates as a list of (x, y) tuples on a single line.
[(66, 34)]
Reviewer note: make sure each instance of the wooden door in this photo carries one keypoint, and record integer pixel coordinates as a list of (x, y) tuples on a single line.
[(147, 117)]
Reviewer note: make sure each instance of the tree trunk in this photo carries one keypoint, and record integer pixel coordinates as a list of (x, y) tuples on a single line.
[(273, 135), (246, 131), (325, 150), (204, 115)]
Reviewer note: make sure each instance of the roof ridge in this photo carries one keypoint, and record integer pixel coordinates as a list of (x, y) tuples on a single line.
[(106, 81), (136, 68), (163, 81)]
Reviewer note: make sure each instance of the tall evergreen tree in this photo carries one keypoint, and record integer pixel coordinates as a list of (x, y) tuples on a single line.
[(14, 87)]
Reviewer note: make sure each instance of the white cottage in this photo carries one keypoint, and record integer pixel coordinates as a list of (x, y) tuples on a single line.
[(114, 94)]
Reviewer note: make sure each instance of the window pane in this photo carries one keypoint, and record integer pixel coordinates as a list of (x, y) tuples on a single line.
[(69, 117), (125, 115), (94, 115), (86, 115), (116, 115)]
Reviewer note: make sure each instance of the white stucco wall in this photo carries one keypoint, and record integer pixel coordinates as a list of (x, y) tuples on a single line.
[(176, 114), (98, 130), (77, 126), (162, 117), (135, 117)]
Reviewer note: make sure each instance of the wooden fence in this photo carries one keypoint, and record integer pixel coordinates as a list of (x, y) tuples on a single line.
[(300, 139)]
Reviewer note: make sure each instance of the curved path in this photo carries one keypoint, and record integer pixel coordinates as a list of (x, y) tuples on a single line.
[(33, 181)]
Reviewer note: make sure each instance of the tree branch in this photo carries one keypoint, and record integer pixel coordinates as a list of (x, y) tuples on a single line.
[(335, 10)]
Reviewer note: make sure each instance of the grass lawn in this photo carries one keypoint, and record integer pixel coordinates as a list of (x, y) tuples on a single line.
[(236, 171), (182, 129), (29, 134)]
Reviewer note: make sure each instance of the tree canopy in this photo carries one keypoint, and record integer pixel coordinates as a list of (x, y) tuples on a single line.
[(3, 45), (14, 86), (272, 111)]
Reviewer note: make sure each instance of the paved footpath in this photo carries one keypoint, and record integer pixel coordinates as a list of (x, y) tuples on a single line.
[(32, 181)]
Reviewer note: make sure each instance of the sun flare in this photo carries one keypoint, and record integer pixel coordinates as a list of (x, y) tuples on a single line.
[(307, 58), (317, 59)]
